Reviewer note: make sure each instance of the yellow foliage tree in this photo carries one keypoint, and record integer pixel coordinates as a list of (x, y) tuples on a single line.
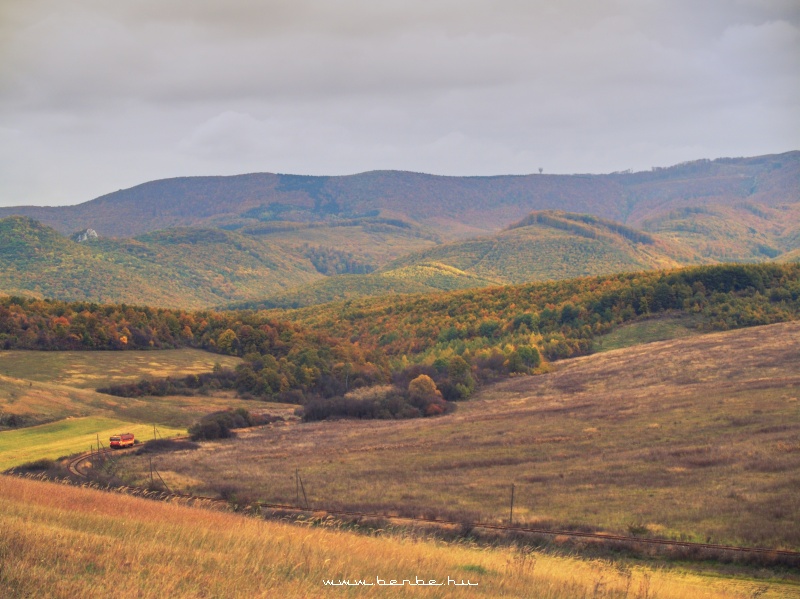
[(424, 388)]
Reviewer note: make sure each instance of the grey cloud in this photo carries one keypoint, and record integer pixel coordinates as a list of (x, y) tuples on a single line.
[(110, 94)]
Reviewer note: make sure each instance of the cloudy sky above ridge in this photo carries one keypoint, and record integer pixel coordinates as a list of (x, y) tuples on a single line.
[(98, 95)]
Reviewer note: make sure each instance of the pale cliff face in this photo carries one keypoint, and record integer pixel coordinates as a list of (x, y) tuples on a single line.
[(85, 235)]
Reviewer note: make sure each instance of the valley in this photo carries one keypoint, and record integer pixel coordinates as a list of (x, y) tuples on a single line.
[(618, 351), (691, 438), (445, 300)]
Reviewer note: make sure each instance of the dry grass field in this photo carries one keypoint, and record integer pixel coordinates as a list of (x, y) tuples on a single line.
[(44, 386), (93, 369), (695, 438), (79, 542)]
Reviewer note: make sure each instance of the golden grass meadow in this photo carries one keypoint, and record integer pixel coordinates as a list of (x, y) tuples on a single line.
[(65, 542)]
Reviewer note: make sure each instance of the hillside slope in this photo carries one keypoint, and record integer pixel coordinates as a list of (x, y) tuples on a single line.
[(742, 233), (553, 245), (426, 277), (181, 267), (645, 435), (544, 246)]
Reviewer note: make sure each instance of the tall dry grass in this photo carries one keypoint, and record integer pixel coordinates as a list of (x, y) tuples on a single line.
[(61, 541)]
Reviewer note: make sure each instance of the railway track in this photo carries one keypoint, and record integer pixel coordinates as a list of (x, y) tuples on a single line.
[(74, 463)]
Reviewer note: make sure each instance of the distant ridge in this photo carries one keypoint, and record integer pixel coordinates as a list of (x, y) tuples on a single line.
[(455, 207)]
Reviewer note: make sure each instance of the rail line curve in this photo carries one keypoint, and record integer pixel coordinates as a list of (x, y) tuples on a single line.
[(74, 463)]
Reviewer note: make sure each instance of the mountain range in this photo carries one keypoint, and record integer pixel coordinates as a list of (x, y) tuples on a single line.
[(291, 240)]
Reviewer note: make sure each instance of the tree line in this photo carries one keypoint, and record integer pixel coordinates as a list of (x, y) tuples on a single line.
[(449, 343)]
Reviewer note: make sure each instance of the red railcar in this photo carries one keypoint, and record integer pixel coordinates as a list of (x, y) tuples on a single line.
[(123, 440)]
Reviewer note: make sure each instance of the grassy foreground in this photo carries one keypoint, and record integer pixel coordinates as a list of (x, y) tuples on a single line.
[(80, 542), (66, 437)]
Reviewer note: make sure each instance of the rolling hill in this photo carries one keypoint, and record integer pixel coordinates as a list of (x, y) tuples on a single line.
[(546, 245), (741, 233), (178, 267), (793, 256), (552, 245), (298, 265), (427, 277)]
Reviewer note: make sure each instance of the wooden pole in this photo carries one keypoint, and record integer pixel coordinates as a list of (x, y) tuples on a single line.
[(303, 488), (162, 482), (511, 515)]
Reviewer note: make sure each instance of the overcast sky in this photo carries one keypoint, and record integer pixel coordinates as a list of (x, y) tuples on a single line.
[(98, 95)]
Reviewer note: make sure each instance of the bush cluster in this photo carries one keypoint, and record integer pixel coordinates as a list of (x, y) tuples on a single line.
[(221, 378), (420, 397), (165, 445), (220, 425)]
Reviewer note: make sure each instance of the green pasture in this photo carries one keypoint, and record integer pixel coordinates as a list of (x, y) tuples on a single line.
[(67, 437), (647, 331)]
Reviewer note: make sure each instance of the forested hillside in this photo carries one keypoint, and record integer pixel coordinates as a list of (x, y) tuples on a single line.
[(548, 245), (426, 277), (743, 233), (196, 268), (188, 268), (287, 241), (456, 339), (562, 317)]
